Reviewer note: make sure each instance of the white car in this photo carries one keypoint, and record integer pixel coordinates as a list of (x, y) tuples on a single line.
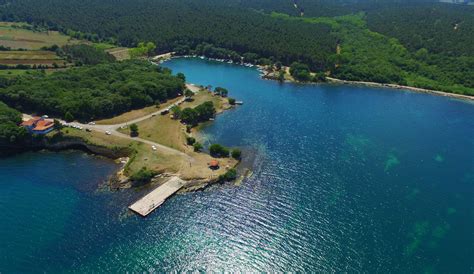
[(91, 123), (153, 147), (108, 132)]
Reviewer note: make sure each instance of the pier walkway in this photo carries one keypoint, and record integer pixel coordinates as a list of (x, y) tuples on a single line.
[(154, 199)]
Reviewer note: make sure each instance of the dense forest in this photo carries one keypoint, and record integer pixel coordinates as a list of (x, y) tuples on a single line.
[(84, 54), (9, 131), (91, 92), (170, 23), (418, 43)]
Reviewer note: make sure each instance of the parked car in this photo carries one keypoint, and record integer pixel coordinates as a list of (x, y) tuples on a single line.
[(108, 132)]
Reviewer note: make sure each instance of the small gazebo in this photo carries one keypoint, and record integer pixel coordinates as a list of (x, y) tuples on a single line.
[(214, 164)]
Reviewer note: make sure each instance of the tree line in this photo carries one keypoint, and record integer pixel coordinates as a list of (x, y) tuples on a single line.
[(170, 24), (92, 92), (418, 43), (10, 133)]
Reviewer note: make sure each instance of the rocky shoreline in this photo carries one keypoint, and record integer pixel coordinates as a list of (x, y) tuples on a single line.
[(267, 74)]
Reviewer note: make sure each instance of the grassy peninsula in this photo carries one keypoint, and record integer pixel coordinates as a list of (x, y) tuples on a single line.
[(113, 92)]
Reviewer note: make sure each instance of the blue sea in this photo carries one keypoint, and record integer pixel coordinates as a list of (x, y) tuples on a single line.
[(345, 179)]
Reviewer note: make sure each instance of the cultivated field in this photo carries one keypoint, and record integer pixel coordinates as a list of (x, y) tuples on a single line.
[(13, 35), (119, 53), (34, 57), (22, 36)]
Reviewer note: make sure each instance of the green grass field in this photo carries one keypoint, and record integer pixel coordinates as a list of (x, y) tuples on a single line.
[(22, 36), (15, 36), (34, 57)]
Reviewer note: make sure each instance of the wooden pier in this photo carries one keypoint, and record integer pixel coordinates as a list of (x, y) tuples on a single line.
[(154, 199)]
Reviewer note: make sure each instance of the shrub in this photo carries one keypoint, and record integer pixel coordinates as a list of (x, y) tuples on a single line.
[(133, 130), (236, 154), (188, 93), (221, 91), (205, 111), (189, 116), (142, 176), (300, 72), (232, 101), (190, 140), (217, 150), (230, 175), (176, 112), (197, 147)]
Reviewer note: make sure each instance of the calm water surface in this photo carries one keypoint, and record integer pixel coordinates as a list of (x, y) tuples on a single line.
[(345, 179)]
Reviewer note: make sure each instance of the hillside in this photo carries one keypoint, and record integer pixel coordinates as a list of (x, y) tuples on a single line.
[(417, 43)]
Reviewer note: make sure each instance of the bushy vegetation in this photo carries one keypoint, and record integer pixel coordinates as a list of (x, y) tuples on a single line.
[(143, 176), (190, 140), (230, 175), (85, 54), (217, 150), (201, 113), (197, 147), (10, 132), (92, 92), (236, 154), (300, 72), (142, 49), (221, 91), (133, 130)]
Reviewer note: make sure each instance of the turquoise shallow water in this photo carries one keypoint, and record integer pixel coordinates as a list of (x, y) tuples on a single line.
[(350, 179)]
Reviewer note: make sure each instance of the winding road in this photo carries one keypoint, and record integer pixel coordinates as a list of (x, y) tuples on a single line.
[(113, 129)]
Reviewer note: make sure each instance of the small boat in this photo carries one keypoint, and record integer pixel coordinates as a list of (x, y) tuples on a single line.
[(239, 102)]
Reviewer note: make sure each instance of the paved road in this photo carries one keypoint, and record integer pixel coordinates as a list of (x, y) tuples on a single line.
[(113, 128)]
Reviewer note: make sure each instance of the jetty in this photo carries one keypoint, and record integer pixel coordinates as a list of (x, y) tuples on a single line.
[(157, 197)]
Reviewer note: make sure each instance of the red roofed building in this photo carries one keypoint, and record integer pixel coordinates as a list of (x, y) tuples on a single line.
[(38, 125), (214, 164), (31, 122)]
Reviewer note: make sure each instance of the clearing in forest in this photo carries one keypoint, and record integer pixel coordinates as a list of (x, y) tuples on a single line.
[(21, 35)]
